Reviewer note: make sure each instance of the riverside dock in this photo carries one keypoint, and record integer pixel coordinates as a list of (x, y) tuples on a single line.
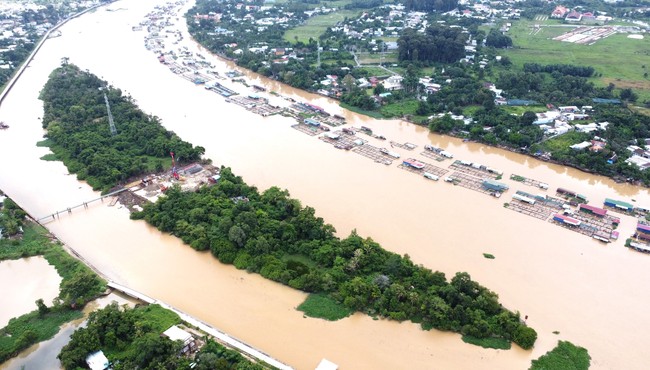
[(374, 153), (406, 146), (475, 170), (433, 155), (529, 182), (434, 170)]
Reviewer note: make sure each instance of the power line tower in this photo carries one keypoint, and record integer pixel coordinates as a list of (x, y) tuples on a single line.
[(110, 116)]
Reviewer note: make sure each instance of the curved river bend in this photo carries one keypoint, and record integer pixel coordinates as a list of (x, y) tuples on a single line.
[(593, 294)]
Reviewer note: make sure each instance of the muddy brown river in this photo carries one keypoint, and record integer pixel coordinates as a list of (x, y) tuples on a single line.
[(24, 281), (593, 294)]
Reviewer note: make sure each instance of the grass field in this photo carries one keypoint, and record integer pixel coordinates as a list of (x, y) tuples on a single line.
[(494, 343), (324, 307), (618, 58), (399, 109), (315, 26), (374, 71), (563, 142), (368, 58)]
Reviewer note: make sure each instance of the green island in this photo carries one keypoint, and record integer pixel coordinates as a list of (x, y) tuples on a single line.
[(130, 338), (272, 234), (564, 356), (485, 76), (79, 133), (79, 284)]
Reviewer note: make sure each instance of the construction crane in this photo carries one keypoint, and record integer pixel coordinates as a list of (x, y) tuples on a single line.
[(174, 171), (110, 116)]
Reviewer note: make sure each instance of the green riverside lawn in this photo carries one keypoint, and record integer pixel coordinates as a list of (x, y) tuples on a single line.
[(324, 307)]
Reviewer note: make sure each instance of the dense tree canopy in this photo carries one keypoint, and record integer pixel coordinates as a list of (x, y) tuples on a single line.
[(498, 40), (431, 5), (12, 218), (76, 120), (131, 339), (273, 235), (565, 69), (440, 44)]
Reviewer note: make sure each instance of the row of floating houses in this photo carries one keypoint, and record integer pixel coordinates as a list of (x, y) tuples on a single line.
[(492, 186), (641, 238)]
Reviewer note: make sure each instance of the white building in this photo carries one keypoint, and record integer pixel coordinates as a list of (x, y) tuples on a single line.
[(97, 361), (581, 146), (393, 82)]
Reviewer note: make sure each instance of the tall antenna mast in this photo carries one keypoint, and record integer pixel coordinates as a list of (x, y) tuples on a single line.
[(318, 50), (110, 116)]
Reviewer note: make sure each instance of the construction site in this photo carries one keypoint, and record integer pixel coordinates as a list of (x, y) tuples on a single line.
[(148, 189)]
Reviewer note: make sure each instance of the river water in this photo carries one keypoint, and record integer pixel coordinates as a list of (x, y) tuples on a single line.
[(593, 294), (23, 281)]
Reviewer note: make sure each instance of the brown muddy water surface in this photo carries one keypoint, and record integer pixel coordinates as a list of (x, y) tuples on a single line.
[(593, 294)]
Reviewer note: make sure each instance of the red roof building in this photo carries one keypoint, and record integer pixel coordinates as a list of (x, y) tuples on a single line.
[(593, 210)]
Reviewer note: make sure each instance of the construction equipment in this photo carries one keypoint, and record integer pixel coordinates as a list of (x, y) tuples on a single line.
[(174, 171)]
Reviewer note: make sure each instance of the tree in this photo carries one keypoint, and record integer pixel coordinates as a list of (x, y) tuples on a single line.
[(411, 79), (42, 307), (79, 289), (237, 235), (498, 40), (524, 336), (628, 94), (443, 124), (528, 118), (349, 82)]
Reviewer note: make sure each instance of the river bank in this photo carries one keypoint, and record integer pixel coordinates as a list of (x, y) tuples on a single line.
[(561, 280)]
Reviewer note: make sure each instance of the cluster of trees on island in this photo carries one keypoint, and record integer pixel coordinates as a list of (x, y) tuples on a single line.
[(76, 119), (131, 339), (272, 234)]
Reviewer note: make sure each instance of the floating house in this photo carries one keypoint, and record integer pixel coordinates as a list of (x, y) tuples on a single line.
[(643, 229), (618, 204), (643, 236), (568, 192), (593, 210), (311, 122), (413, 163), (640, 247), (602, 236), (566, 220), (524, 198), (495, 185)]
